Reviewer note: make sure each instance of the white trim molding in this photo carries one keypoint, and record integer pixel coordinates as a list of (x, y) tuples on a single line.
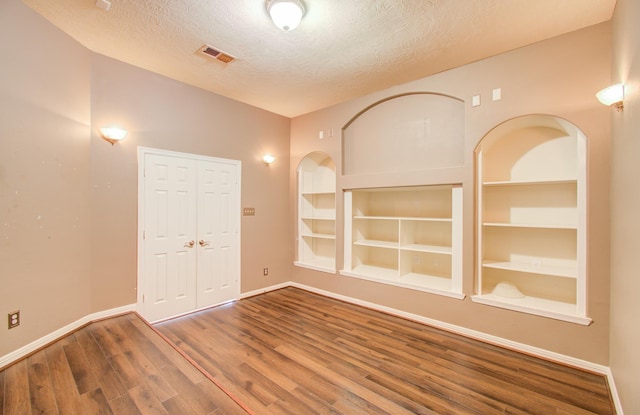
[(35, 345), (614, 392), (269, 288)]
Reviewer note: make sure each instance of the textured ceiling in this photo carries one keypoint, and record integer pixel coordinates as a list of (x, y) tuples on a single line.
[(342, 48)]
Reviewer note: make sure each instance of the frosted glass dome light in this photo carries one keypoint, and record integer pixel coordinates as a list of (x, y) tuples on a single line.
[(612, 96), (268, 158), (113, 134), (286, 14)]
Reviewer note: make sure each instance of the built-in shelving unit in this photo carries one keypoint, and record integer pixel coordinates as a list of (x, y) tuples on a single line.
[(531, 201), (317, 213), (406, 236)]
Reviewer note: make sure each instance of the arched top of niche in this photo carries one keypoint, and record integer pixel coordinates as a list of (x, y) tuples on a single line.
[(408, 132), (317, 173), (536, 147)]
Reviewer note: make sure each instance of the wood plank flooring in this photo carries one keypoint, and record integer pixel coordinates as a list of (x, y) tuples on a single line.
[(290, 352), (294, 352), (116, 366)]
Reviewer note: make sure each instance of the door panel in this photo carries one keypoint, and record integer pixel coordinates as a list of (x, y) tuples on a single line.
[(160, 286), (170, 225), (218, 281)]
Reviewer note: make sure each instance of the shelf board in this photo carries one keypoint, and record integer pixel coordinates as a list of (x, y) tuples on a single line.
[(376, 243), (381, 273), (530, 225), (434, 249), (327, 193), (527, 182), (538, 306), (532, 269), (318, 217), (318, 235), (419, 282), (318, 264), (407, 218)]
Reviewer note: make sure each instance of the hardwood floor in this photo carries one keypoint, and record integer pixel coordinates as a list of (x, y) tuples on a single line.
[(116, 366), (294, 352), (290, 352)]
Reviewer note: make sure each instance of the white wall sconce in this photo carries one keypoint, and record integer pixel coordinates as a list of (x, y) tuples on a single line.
[(286, 14), (113, 134), (268, 159), (612, 96)]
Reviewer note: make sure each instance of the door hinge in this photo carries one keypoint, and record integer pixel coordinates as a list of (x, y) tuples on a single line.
[(144, 235), (143, 298)]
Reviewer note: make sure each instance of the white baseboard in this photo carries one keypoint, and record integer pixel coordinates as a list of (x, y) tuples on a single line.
[(18, 354), (267, 289), (614, 392), (477, 335)]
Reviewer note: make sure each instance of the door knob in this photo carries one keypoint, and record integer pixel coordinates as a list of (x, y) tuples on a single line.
[(189, 244), (203, 243)]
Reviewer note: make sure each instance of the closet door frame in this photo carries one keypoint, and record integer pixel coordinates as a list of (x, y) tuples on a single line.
[(142, 153)]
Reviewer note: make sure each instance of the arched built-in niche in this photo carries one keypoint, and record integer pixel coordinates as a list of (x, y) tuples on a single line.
[(409, 132), (531, 218), (317, 212)]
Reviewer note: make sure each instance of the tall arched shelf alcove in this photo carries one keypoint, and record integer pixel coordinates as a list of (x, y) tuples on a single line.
[(531, 218), (317, 212), (402, 222)]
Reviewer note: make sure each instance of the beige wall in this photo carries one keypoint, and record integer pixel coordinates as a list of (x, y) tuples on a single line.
[(558, 77), (68, 199), (625, 208), (45, 238), (161, 113)]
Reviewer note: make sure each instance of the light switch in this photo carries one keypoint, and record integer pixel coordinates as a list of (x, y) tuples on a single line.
[(475, 101), (497, 94)]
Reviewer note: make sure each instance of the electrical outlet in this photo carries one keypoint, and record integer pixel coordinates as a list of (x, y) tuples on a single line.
[(265, 271), (14, 319)]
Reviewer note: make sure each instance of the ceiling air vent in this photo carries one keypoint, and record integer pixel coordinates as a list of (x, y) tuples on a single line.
[(217, 54)]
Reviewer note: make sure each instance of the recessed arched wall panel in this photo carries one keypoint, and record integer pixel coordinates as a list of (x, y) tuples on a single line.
[(408, 132)]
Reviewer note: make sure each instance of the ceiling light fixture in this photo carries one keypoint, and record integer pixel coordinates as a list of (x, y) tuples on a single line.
[(286, 14), (612, 96)]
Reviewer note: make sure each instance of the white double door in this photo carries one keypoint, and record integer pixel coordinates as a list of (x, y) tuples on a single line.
[(190, 233)]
